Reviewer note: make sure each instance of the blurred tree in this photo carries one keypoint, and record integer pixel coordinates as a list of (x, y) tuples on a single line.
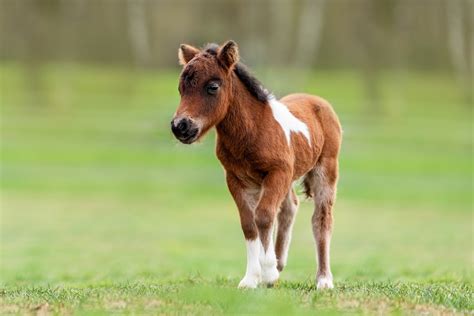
[(371, 35), (310, 24), (138, 31), (460, 16), (371, 38)]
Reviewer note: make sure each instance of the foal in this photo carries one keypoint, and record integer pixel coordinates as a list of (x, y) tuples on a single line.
[(264, 145)]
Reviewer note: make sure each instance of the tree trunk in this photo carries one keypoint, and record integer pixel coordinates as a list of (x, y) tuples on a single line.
[(309, 31), (138, 31), (460, 31)]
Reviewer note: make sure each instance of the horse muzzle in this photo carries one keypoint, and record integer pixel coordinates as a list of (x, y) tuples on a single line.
[(185, 129)]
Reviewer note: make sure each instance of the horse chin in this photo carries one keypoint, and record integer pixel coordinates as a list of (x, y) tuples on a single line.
[(190, 139)]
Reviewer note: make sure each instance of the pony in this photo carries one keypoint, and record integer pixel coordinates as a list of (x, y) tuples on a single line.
[(264, 145)]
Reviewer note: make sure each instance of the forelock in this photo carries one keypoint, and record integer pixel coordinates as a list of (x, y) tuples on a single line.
[(211, 48), (196, 68), (189, 76)]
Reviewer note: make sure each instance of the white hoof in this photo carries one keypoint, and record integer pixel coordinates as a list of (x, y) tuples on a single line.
[(324, 282), (270, 275), (249, 282)]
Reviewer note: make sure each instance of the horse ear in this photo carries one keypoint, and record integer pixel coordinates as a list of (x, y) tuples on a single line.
[(229, 54), (186, 53)]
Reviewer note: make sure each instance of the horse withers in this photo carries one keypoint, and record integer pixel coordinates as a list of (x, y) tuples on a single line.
[(265, 145)]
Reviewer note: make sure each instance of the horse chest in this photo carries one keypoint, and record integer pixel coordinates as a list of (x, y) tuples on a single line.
[(245, 165)]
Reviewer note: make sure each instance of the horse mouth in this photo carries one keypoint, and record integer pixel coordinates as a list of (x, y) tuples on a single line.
[(190, 138)]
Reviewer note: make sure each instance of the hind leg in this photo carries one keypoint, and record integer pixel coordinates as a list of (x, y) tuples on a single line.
[(286, 218), (324, 180)]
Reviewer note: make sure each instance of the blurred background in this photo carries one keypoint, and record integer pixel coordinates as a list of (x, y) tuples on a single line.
[(95, 187)]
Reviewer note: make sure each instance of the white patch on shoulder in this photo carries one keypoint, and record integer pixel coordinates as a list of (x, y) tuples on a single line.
[(288, 122)]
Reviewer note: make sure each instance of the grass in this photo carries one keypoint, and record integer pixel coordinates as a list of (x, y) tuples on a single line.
[(103, 212), (198, 296)]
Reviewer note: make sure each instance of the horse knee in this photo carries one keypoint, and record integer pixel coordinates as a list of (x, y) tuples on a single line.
[(249, 230), (264, 219)]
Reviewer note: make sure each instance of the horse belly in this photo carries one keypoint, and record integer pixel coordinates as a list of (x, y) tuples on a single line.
[(305, 158), (306, 154)]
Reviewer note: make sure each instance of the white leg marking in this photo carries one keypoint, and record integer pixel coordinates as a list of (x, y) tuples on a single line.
[(261, 265), (324, 282), (288, 122), (324, 278), (268, 262), (253, 273)]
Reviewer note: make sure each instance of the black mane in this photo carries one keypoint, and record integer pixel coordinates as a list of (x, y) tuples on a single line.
[(252, 84)]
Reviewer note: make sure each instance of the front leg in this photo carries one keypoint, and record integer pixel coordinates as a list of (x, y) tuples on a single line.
[(246, 201), (274, 188)]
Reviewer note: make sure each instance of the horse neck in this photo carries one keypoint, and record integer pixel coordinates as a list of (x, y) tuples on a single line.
[(238, 127)]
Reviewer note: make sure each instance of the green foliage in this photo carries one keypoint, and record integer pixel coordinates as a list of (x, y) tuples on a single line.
[(102, 210)]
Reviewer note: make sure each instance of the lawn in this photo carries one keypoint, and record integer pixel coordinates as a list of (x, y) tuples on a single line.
[(104, 212)]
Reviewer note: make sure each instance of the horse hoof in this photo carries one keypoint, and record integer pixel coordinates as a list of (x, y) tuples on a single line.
[(270, 276), (248, 283), (324, 282)]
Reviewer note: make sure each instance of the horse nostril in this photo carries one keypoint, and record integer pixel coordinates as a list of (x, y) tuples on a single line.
[(182, 125)]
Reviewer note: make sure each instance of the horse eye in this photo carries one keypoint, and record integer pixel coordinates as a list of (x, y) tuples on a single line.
[(212, 88)]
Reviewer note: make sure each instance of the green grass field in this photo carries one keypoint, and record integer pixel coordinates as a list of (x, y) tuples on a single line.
[(104, 212)]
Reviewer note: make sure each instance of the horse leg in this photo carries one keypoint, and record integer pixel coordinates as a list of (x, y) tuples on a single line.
[(246, 202), (285, 218), (274, 188), (322, 181)]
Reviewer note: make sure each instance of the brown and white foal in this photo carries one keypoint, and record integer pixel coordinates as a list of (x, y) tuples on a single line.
[(265, 145)]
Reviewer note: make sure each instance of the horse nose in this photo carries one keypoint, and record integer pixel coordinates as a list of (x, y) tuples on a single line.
[(180, 127), (185, 130)]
